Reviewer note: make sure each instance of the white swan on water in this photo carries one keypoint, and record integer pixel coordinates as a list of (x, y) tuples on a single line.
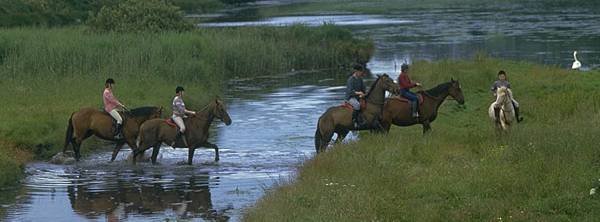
[(576, 64)]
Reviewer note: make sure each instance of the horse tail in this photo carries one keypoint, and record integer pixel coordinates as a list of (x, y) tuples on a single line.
[(69, 134), (318, 137)]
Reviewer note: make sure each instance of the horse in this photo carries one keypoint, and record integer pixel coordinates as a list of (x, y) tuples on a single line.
[(91, 121), (507, 114), (338, 119), (157, 131), (397, 109)]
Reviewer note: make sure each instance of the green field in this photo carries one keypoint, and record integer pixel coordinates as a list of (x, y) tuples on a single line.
[(542, 170), (47, 74)]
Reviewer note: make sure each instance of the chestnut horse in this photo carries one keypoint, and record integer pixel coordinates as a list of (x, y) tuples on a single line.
[(397, 110), (155, 132), (91, 121), (338, 119)]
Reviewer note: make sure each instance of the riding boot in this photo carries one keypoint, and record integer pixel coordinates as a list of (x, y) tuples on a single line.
[(357, 119), (519, 119), (119, 132), (415, 109), (497, 114)]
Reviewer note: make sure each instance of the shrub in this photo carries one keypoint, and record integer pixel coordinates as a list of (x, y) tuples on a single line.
[(140, 16)]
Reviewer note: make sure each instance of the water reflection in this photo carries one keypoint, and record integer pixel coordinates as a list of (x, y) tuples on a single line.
[(115, 193), (182, 198)]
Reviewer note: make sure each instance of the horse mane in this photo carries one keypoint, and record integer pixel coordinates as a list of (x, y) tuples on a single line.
[(439, 89), (143, 111), (374, 84)]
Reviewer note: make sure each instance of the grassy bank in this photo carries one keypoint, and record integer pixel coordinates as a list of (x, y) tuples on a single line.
[(542, 171), (49, 73)]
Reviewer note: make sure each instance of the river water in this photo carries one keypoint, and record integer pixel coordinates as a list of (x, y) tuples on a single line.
[(274, 117)]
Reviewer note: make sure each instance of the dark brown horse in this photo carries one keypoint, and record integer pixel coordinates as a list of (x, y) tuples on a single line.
[(338, 119), (397, 111), (91, 121), (155, 132)]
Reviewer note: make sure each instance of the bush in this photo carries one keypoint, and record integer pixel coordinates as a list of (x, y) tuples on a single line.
[(140, 16)]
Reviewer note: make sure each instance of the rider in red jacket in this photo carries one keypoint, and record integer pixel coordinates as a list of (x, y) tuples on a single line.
[(405, 85)]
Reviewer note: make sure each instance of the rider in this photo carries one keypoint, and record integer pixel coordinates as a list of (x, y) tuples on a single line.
[(355, 89), (502, 81), (405, 85), (111, 105), (179, 112)]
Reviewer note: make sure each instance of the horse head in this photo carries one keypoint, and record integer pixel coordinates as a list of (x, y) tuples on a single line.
[(456, 92), (158, 113), (377, 90), (502, 95), (219, 110), (388, 84)]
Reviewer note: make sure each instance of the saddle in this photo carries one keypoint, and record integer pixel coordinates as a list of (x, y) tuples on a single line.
[(171, 123), (404, 99), (348, 106)]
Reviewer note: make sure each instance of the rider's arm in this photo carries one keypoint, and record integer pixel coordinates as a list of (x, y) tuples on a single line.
[(189, 112), (405, 82)]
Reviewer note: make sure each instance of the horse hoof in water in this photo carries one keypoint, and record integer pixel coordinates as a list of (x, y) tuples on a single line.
[(62, 158), (141, 158)]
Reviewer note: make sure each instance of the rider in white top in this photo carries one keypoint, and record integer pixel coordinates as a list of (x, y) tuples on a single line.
[(179, 112)]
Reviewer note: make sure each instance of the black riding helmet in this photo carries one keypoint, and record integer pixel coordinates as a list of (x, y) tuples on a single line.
[(110, 81), (404, 67), (179, 89), (358, 67)]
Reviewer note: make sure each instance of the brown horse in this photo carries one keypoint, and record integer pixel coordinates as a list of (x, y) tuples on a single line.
[(397, 111), (155, 132), (91, 121), (338, 119)]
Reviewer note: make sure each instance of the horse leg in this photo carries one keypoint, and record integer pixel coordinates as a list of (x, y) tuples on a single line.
[(77, 144), (191, 155), (426, 127), (116, 150), (140, 149), (214, 146), (76, 149), (155, 150), (341, 135), (325, 141)]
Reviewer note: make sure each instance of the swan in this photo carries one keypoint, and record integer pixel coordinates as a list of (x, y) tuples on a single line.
[(576, 64)]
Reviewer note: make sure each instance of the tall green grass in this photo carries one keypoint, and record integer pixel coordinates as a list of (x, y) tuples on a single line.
[(542, 170), (46, 74)]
